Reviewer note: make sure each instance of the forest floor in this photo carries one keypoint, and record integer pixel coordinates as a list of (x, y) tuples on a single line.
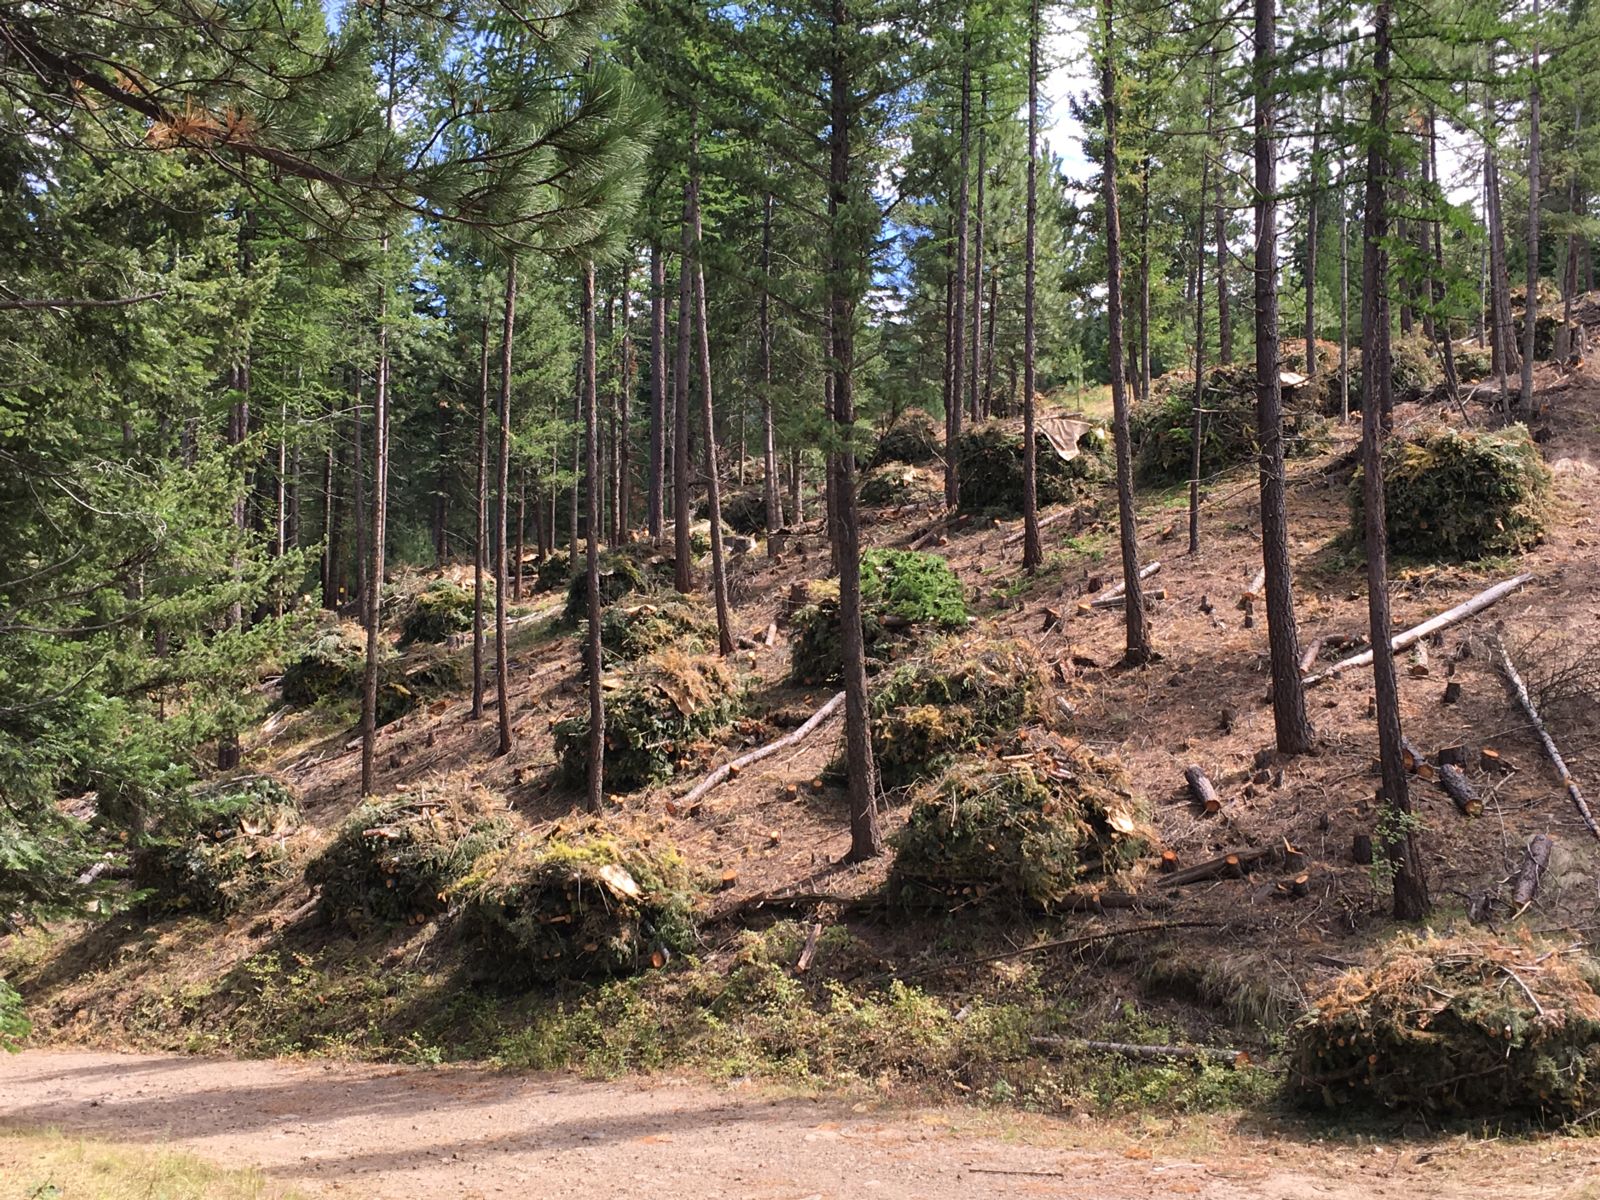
[(385, 1133), (906, 1008)]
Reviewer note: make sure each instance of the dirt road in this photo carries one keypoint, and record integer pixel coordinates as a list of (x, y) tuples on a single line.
[(382, 1132)]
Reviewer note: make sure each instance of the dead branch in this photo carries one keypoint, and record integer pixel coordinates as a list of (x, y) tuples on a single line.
[(733, 768), (1520, 689)]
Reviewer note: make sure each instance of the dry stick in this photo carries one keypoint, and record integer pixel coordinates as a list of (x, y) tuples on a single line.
[(1554, 755), (755, 756), (1119, 600), (1535, 859), (1087, 939), (1147, 1053), (1216, 866), (1111, 593), (1444, 620), (1050, 520)]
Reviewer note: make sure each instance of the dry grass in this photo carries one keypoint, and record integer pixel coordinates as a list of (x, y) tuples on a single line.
[(51, 1166)]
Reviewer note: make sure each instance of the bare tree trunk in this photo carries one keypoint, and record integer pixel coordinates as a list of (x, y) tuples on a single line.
[(480, 542), (866, 839), (1143, 378), (502, 671), (1502, 338), (975, 383), (519, 552), (1138, 636), (987, 409), (1292, 726), (624, 452), (1569, 268), (441, 485), (380, 515), (1530, 307), (1032, 550), (1313, 217), (769, 441), (1447, 347), (1224, 311), (719, 573), (358, 496), (682, 550), (1197, 417), (952, 418), (1410, 885), (595, 795), (656, 516), (796, 486)]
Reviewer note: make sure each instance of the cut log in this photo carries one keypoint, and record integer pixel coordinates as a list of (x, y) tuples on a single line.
[(1217, 867), (1117, 589), (1309, 658), (1534, 861), (1250, 595), (1119, 600), (1419, 668), (1017, 537), (1415, 760), (1525, 701), (1460, 789), (1452, 693), (1169, 861), (1444, 620), (1201, 790), (810, 950), (1451, 756), (727, 770), (1216, 1054)]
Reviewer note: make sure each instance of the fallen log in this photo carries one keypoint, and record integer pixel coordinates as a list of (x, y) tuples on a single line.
[(1117, 589), (789, 739), (809, 952), (1014, 538), (1401, 641), (1216, 1054), (1534, 861), (1253, 593), (1229, 864), (1525, 701), (1309, 658), (1068, 943), (1201, 789), (1119, 600), (1459, 788)]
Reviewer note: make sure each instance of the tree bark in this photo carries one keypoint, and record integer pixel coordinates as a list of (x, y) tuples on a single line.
[(656, 516), (1447, 346), (975, 382), (1410, 884), (502, 671), (623, 513), (480, 541), (1197, 417), (683, 552), (1144, 279), (1530, 306), (1224, 311), (380, 515), (1292, 726), (769, 442), (1032, 548), (595, 794), (952, 417), (1138, 637)]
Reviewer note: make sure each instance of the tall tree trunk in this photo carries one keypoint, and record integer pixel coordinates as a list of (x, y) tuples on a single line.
[(1530, 307), (441, 484), (1138, 636), (624, 510), (952, 418), (1447, 346), (1032, 550), (519, 549), (1197, 416), (358, 496), (1224, 310), (480, 538), (682, 551), (502, 671), (1313, 221), (1344, 265), (988, 354), (719, 574), (332, 511), (796, 487), (769, 440), (595, 795), (1292, 726), (656, 516), (1502, 338), (975, 382), (1410, 886), (1144, 279), (1569, 266), (380, 518), (866, 839)]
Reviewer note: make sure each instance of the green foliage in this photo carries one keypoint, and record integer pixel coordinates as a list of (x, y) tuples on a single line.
[(219, 845), (14, 1023), (952, 700), (1017, 831), (442, 608), (632, 633), (665, 703), (1162, 429), (894, 483), (620, 575), (554, 571), (1416, 372), (1461, 494), (901, 591), (989, 458), (1470, 1026), (395, 859), (1473, 363), (913, 439), (331, 666), (573, 907)]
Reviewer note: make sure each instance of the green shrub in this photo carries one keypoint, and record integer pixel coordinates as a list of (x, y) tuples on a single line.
[(329, 667), (553, 572), (1162, 428), (1015, 831), (219, 845), (1469, 1026), (953, 700), (394, 859), (664, 704), (592, 904), (14, 1023), (990, 463), (620, 575), (629, 633), (1473, 363), (915, 438), (894, 483), (442, 608), (901, 591), (1461, 494)]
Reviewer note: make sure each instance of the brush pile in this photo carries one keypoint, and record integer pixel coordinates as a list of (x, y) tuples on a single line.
[(577, 906), (632, 632), (1416, 371), (1162, 429), (743, 511), (554, 571), (219, 845), (1018, 830), (915, 439), (897, 483), (956, 698), (330, 666), (989, 460), (902, 591), (620, 575), (1456, 1026), (395, 859), (438, 610), (656, 712), (1461, 494)]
